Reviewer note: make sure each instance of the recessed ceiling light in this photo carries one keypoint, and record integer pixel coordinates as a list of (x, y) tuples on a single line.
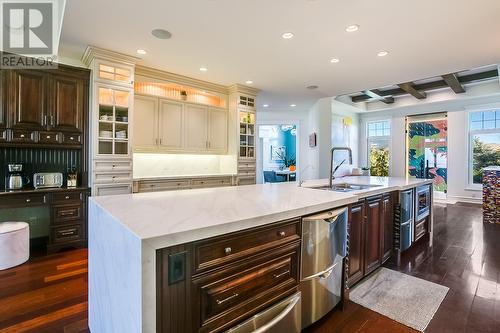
[(141, 51), (334, 60), (161, 33), (382, 53), (203, 69), (287, 35), (312, 87), (352, 28), (265, 105), (249, 82), (293, 105)]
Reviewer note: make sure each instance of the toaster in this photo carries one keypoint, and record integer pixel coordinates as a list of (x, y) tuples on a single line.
[(47, 179)]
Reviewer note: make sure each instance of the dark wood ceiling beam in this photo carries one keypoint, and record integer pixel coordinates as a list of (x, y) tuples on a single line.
[(377, 95), (409, 88), (452, 82), (433, 85)]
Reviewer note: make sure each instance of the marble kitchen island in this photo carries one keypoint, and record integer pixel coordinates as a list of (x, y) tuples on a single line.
[(125, 232)]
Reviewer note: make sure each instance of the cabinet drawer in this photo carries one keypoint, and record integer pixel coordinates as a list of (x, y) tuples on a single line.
[(246, 166), (246, 180), (211, 182), (66, 197), (163, 185), (420, 229), (221, 250), (246, 173), (226, 297), (62, 214), (107, 165), (49, 137), (67, 233), (110, 178), (71, 138), (112, 189), (23, 200), (23, 136)]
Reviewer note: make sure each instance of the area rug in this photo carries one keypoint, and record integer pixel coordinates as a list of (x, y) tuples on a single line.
[(406, 299)]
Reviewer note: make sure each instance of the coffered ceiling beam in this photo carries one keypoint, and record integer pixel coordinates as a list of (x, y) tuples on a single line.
[(409, 88), (377, 94), (452, 82)]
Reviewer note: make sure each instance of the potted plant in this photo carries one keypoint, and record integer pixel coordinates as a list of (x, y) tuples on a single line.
[(288, 162)]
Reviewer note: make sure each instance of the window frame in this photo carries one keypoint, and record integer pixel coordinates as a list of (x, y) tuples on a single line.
[(470, 152), (378, 137)]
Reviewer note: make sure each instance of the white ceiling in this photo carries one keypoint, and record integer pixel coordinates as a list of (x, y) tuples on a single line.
[(239, 40)]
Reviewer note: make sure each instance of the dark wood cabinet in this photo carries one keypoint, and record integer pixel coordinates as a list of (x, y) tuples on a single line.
[(387, 226), (372, 234), (66, 104), (44, 102), (26, 99), (355, 263), (371, 224), (226, 279)]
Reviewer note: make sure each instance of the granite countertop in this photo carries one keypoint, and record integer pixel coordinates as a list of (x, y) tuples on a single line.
[(31, 190), (378, 184), (214, 175), (174, 217)]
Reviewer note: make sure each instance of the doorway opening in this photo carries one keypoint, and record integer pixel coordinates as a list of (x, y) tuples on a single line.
[(277, 158), (427, 150)]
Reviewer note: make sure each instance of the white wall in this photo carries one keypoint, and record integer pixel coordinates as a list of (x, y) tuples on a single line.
[(342, 110), (458, 164)]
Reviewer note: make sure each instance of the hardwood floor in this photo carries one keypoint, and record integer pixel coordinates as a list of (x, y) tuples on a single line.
[(49, 293)]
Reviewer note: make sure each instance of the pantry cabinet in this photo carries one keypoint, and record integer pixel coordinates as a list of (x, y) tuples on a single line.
[(164, 125)]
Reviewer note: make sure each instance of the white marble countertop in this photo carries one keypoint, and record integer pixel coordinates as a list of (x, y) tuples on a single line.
[(211, 175), (174, 217), (378, 184)]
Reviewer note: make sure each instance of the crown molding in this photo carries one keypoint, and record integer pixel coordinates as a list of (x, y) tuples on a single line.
[(157, 74), (240, 88), (93, 52)]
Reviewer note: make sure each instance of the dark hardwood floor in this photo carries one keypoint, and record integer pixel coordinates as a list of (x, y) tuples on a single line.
[(49, 293)]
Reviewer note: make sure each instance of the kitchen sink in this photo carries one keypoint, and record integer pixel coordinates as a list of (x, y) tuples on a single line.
[(345, 187)]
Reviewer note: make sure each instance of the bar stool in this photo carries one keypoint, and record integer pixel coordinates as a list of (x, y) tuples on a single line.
[(14, 244)]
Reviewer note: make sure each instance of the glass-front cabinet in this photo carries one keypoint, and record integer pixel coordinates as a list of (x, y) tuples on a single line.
[(247, 134), (113, 121)]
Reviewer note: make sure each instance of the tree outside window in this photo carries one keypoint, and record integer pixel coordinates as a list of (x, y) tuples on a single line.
[(379, 133), (484, 130)]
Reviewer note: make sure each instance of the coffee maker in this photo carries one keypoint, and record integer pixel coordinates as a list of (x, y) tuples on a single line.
[(15, 178)]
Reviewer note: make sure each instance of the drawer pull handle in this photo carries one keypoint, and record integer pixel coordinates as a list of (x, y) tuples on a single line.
[(67, 232), (71, 138), (281, 274), (66, 197), (48, 136), (28, 200), (219, 302), (67, 213), (282, 234), (22, 136), (228, 250)]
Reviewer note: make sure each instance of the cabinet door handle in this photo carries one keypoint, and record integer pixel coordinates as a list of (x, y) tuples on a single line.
[(28, 200), (219, 302), (281, 274), (228, 250), (282, 234), (45, 120), (51, 120), (66, 197), (160, 141)]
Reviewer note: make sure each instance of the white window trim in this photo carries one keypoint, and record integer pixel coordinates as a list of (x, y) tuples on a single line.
[(471, 133), (388, 137)]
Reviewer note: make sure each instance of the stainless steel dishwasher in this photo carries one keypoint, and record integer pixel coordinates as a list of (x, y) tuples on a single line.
[(324, 246)]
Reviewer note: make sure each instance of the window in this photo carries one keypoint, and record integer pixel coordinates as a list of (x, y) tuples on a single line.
[(379, 135), (484, 136)]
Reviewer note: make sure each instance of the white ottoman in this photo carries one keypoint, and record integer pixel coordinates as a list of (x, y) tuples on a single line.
[(14, 244)]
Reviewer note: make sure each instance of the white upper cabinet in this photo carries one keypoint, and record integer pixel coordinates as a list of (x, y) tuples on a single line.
[(217, 140), (196, 128), (171, 124), (145, 122)]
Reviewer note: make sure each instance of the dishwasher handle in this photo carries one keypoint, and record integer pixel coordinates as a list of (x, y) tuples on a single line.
[(280, 316), (330, 216)]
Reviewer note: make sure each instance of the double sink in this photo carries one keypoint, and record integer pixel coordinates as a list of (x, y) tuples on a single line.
[(344, 187)]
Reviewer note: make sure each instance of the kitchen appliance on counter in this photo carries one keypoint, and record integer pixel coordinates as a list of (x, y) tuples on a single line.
[(324, 247), (47, 180), (283, 317), (404, 220), (15, 178)]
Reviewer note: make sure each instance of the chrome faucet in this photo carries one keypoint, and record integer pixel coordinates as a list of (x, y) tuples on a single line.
[(332, 171)]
